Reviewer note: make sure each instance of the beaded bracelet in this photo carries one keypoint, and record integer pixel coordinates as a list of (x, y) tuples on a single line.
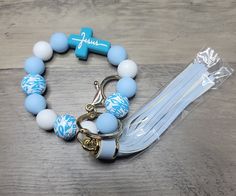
[(99, 137)]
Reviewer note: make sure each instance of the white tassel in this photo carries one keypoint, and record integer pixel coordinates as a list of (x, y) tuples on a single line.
[(153, 119)]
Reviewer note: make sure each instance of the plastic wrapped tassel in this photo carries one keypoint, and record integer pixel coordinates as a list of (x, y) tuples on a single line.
[(144, 127)]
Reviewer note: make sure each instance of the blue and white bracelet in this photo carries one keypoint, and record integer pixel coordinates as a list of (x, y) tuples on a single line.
[(99, 137)]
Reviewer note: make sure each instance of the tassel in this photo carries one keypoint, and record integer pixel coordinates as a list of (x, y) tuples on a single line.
[(147, 125)]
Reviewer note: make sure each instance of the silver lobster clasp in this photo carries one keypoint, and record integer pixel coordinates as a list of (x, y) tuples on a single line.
[(100, 96)]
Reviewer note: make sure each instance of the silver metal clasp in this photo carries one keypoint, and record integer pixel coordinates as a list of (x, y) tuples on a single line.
[(100, 96)]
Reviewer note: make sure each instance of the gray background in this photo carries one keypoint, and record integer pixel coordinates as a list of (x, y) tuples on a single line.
[(195, 157)]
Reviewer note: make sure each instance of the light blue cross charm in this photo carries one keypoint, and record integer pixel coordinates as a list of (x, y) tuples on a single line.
[(84, 43)]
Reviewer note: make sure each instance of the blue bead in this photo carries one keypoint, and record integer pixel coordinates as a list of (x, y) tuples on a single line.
[(59, 42), (126, 86), (65, 127), (34, 65), (85, 43), (116, 54), (35, 103), (31, 84), (117, 104), (106, 123)]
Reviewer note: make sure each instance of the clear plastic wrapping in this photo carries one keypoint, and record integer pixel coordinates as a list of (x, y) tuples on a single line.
[(207, 71)]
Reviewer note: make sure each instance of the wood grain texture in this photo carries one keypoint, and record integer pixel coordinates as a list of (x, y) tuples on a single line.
[(197, 156), (152, 31)]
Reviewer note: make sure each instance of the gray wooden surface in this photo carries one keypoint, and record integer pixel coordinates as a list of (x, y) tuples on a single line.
[(195, 157)]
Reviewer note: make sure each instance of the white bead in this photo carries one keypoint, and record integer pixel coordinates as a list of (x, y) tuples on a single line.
[(127, 68), (90, 125), (46, 118), (43, 50)]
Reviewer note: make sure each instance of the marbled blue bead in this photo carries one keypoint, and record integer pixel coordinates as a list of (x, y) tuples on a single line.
[(85, 43), (116, 54), (33, 84), (59, 42), (117, 104), (35, 103), (34, 65), (126, 86), (65, 127), (106, 123)]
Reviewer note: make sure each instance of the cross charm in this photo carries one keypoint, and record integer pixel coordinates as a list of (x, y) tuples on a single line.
[(84, 43)]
